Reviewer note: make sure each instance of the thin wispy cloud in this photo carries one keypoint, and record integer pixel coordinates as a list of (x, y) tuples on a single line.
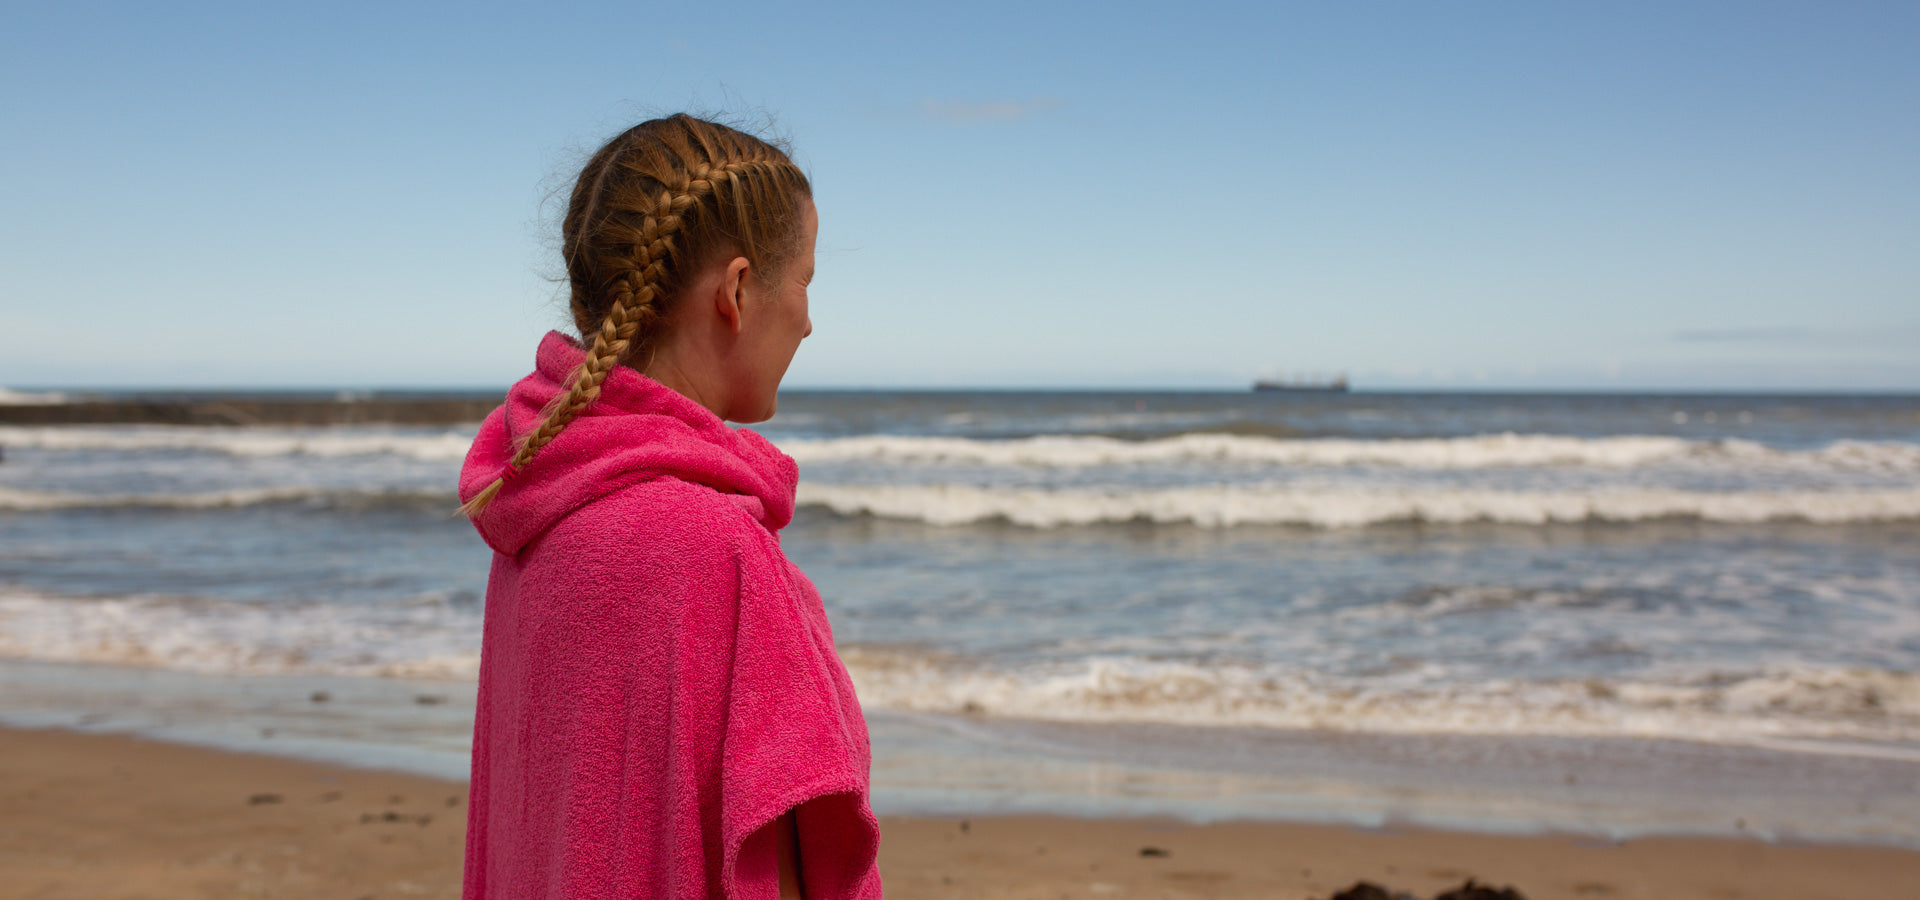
[(959, 112), (1743, 334)]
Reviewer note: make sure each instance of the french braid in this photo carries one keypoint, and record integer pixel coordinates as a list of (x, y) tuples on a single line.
[(655, 203)]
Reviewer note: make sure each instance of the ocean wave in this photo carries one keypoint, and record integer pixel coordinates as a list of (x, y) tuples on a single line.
[(30, 398), (16, 500), (1476, 452), (244, 442), (1782, 703), (1219, 506), (434, 636), (1487, 451)]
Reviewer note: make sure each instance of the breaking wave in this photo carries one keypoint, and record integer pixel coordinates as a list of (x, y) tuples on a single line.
[(1784, 703), (16, 500), (433, 636), (1046, 451), (438, 635), (1477, 452), (30, 398), (448, 445), (1220, 506)]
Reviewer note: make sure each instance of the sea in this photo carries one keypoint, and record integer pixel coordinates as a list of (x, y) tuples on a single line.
[(1601, 614)]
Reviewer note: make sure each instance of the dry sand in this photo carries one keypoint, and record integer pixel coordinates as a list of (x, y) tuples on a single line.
[(90, 816)]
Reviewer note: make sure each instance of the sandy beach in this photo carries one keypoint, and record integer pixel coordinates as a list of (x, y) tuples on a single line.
[(103, 816)]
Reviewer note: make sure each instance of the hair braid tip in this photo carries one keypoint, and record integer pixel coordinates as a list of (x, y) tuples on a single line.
[(482, 500)]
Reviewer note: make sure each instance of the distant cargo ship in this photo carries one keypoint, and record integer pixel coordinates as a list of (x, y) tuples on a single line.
[(1338, 385)]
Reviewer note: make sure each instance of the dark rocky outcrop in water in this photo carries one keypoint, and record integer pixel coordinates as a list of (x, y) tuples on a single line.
[(258, 409)]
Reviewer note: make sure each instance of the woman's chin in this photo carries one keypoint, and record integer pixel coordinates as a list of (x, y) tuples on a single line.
[(754, 418)]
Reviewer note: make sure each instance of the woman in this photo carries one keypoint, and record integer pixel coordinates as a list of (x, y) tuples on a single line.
[(661, 713)]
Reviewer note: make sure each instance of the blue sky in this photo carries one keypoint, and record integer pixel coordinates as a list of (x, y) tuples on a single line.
[(1422, 195)]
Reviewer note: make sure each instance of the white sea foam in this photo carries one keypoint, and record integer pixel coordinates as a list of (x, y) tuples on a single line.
[(1788, 703), (449, 445), (1056, 451), (1229, 505), (30, 398), (428, 637), (435, 636), (1044, 451), (1476, 452), (17, 500)]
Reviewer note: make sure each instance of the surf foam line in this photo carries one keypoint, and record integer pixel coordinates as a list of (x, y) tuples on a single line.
[(1223, 506), (15, 500), (437, 636), (1781, 704), (1505, 450), (244, 442), (431, 636), (30, 398), (1475, 452)]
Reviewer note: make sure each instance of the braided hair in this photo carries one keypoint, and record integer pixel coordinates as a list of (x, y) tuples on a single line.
[(654, 205)]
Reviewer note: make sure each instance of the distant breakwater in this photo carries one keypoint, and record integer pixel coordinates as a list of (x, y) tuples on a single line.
[(244, 410)]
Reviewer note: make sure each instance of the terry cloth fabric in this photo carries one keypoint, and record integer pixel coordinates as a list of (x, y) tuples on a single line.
[(657, 681)]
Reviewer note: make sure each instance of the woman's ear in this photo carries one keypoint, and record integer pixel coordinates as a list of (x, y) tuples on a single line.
[(730, 297)]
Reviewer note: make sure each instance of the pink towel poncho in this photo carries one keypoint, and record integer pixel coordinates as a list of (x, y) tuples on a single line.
[(657, 681)]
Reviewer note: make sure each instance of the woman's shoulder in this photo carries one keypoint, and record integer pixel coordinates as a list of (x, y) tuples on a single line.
[(670, 511), (683, 545)]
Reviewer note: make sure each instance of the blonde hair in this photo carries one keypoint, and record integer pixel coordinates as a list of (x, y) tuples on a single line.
[(658, 202)]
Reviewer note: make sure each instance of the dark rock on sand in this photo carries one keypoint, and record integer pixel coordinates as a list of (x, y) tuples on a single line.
[(1470, 890), (1473, 890), (1367, 890)]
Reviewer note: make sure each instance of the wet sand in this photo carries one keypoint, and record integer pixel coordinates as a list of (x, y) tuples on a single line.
[(100, 816), (95, 816)]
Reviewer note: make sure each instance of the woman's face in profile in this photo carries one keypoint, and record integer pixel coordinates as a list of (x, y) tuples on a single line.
[(778, 322)]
